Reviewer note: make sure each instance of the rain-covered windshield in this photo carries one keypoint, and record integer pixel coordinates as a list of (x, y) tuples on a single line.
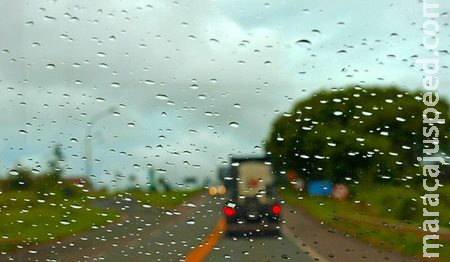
[(224, 130)]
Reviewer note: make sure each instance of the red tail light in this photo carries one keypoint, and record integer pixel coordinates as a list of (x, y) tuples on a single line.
[(229, 211), (276, 209)]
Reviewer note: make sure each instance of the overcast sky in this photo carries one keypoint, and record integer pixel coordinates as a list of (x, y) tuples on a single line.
[(179, 73)]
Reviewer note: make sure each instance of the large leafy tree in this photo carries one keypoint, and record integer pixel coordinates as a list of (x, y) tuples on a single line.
[(353, 133)]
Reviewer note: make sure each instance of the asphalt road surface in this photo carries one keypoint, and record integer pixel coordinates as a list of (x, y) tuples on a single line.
[(157, 234)]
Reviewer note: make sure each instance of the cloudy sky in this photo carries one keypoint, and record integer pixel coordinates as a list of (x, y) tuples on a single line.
[(189, 81)]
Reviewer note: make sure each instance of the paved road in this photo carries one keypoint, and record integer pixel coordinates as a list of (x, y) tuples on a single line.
[(155, 234), (144, 234)]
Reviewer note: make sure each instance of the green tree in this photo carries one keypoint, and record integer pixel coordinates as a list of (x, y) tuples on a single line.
[(355, 133), (20, 178), (55, 165)]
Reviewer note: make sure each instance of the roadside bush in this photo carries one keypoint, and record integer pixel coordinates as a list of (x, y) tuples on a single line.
[(408, 210)]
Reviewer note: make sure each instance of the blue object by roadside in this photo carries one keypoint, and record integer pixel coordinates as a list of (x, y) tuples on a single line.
[(319, 188)]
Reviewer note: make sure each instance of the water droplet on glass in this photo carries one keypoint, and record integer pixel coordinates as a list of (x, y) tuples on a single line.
[(234, 124), (303, 43), (161, 97), (213, 40), (115, 84), (50, 66), (75, 206), (13, 172)]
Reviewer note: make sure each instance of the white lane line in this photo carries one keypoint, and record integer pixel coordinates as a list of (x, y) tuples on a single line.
[(303, 246)]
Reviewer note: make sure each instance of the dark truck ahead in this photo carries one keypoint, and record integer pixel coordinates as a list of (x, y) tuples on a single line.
[(253, 205)]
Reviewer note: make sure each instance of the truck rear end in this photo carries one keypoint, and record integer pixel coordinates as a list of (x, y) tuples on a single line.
[(253, 204)]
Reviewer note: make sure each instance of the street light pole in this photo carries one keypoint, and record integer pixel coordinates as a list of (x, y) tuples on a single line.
[(88, 137)]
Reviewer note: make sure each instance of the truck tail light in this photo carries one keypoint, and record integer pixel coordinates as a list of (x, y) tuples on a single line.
[(276, 209), (229, 211)]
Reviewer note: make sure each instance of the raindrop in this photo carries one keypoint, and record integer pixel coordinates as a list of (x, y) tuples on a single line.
[(13, 172), (103, 65), (74, 140), (21, 131), (303, 43), (337, 113), (190, 222), (194, 86), (131, 124), (50, 66), (237, 105), (393, 35), (279, 138), (100, 99), (64, 222), (391, 56), (115, 84), (213, 40), (234, 124), (51, 18), (161, 97)]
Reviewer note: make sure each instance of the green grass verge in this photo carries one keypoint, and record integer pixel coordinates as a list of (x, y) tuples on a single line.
[(168, 199), (27, 218), (374, 215)]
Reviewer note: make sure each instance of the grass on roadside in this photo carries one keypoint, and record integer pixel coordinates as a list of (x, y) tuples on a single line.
[(27, 219), (168, 199), (373, 216)]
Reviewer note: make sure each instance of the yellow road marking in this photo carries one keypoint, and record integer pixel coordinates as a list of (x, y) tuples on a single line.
[(200, 252)]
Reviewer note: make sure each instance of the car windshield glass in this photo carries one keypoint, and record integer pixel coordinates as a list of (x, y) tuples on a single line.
[(237, 130)]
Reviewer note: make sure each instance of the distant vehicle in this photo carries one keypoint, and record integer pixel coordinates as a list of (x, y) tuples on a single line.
[(253, 204)]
